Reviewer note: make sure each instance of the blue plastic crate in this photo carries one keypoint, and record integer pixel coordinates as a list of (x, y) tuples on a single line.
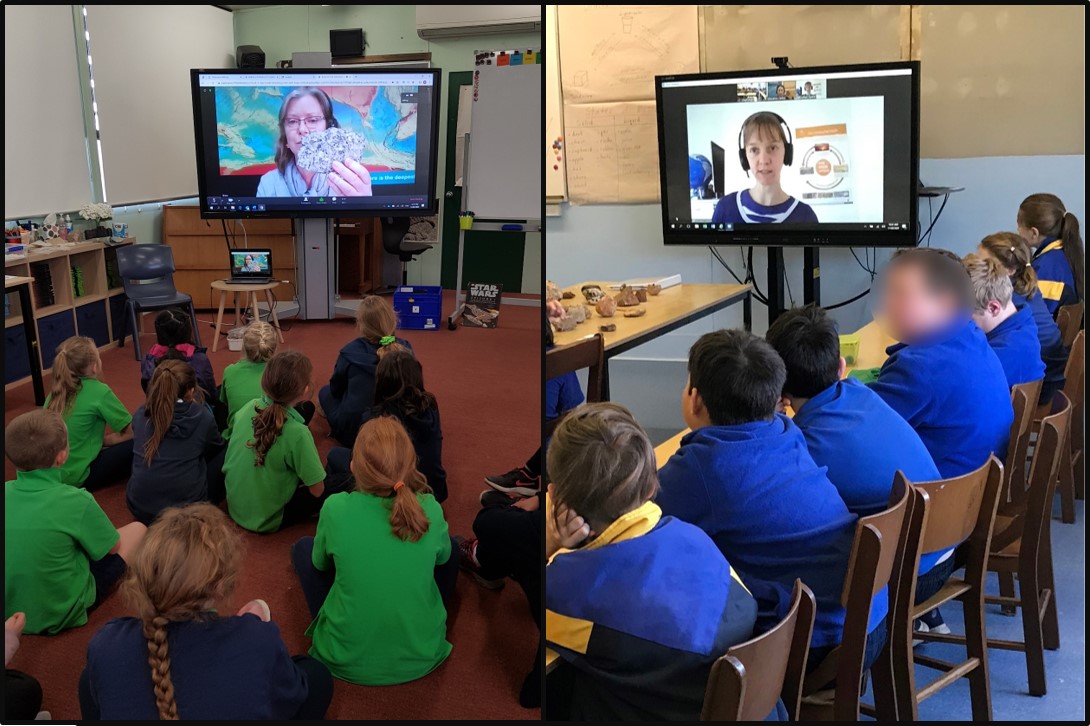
[(419, 307)]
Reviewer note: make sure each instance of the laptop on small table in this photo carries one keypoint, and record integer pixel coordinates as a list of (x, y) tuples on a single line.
[(251, 266)]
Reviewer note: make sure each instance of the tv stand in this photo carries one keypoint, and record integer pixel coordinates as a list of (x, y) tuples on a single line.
[(811, 280)]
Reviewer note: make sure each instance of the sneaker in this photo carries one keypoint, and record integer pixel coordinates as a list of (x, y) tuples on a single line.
[(918, 626), (516, 481), (494, 498), (468, 562), (934, 622)]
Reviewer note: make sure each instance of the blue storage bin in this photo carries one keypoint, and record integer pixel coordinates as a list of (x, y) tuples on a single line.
[(419, 307), (91, 321), (16, 362)]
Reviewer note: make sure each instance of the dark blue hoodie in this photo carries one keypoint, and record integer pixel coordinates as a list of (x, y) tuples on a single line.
[(351, 389), (755, 490), (1053, 353), (178, 472), (427, 437)]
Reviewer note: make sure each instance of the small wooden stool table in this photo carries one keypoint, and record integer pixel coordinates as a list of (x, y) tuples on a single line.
[(251, 289)]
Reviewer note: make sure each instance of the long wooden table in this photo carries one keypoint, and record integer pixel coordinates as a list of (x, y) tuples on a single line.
[(671, 309), (872, 354)]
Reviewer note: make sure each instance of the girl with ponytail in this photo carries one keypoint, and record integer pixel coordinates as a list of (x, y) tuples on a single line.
[(172, 660), (174, 340), (380, 568), (272, 471), (96, 458), (1013, 252), (177, 449), (351, 390), (1053, 231)]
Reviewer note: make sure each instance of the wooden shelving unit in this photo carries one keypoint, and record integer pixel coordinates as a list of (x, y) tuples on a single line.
[(91, 314)]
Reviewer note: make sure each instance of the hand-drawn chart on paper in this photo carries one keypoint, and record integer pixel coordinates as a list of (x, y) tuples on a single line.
[(609, 57), (555, 187)]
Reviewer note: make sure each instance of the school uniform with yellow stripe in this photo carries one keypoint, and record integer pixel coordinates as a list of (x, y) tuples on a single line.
[(641, 613), (1054, 276)]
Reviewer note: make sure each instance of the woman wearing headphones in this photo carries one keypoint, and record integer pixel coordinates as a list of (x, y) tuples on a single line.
[(764, 147)]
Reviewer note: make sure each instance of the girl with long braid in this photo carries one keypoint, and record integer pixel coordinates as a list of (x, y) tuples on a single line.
[(179, 657), (177, 449)]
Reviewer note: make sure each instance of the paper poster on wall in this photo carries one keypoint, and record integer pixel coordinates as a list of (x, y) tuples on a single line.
[(612, 152)]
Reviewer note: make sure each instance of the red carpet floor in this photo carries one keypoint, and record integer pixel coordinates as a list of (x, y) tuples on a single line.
[(488, 383)]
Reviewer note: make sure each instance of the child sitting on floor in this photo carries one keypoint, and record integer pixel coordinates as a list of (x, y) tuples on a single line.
[(272, 471), (943, 377), (744, 476), (174, 339), (351, 388), (180, 657), (242, 379), (639, 604), (88, 406), (399, 392), (177, 449), (379, 570), (62, 555), (849, 430), (1012, 252), (1010, 329)]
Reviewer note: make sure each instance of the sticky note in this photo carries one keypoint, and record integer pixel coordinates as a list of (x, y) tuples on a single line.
[(503, 59), (516, 59)]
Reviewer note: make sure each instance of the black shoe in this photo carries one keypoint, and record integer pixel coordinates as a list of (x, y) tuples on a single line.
[(494, 498), (934, 622), (306, 410), (517, 481)]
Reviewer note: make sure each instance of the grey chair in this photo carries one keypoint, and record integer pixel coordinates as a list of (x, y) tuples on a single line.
[(147, 274)]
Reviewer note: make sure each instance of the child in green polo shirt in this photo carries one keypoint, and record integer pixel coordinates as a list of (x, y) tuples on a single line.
[(61, 553), (242, 380), (380, 568), (272, 470), (88, 406)]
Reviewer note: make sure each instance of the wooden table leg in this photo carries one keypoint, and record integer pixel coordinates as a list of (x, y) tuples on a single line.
[(253, 307), (272, 315), (219, 320), (238, 311)]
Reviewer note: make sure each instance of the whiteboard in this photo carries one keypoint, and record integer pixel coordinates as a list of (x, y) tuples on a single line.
[(555, 183), (504, 174)]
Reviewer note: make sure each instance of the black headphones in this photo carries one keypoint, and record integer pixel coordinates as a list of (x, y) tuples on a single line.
[(788, 147)]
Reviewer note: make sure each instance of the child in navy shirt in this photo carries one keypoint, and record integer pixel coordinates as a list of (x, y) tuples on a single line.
[(1048, 227), (943, 377), (1015, 255), (764, 149), (744, 476), (639, 605), (179, 658), (852, 432), (1010, 329), (174, 339)]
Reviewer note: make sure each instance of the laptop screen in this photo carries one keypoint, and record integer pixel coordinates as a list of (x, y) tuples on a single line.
[(251, 263)]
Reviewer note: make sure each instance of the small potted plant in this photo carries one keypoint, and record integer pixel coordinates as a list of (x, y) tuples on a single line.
[(97, 213)]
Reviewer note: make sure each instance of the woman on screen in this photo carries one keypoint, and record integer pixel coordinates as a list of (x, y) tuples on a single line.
[(764, 148), (305, 111), (251, 265)]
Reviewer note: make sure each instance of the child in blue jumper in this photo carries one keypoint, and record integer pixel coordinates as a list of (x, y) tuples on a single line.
[(1048, 227), (1015, 255), (943, 377), (639, 605), (852, 432), (1010, 329), (744, 476)]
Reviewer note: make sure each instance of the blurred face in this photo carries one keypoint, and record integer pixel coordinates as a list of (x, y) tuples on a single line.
[(908, 309), (304, 116), (765, 154)]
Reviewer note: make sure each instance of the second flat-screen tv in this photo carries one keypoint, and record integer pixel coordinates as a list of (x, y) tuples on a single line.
[(329, 142), (824, 156)]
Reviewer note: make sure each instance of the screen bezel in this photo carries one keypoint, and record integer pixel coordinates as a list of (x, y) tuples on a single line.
[(317, 212), (783, 235)]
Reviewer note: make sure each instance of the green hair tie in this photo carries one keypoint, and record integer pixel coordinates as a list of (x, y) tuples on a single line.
[(386, 340)]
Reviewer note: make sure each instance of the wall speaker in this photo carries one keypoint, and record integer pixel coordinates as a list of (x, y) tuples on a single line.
[(346, 43), (249, 56)]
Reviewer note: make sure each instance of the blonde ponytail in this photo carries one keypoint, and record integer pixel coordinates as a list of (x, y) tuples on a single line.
[(73, 359)]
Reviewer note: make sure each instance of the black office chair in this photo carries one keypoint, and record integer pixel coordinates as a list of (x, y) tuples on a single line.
[(394, 230), (147, 274)]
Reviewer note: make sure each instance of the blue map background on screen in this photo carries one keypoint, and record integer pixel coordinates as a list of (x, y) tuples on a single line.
[(247, 131)]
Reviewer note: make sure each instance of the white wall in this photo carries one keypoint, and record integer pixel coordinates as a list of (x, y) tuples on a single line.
[(616, 242)]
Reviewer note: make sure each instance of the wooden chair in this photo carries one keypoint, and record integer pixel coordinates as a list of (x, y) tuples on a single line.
[(1022, 546), (1072, 471), (745, 683), (1024, 397), (947, 513), (875, 562), (588, 353), (1069, 321)]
